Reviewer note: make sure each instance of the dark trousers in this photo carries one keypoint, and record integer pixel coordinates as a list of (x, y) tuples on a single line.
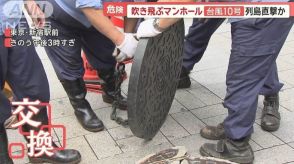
[(67, 60), (197, 39), (21, 67), (256, 44)]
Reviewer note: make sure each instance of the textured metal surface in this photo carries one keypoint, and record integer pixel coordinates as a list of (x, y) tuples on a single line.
[(153, 80), (179, 155)]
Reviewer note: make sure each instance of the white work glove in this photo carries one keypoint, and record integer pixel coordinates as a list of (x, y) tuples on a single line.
[(121, 57), (127, 48), (146, 29)]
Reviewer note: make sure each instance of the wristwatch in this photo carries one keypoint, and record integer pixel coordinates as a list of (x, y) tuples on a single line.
[(156, 26)]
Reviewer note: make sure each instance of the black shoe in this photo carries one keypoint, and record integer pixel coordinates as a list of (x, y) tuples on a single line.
[(67, 156), (76, 91), (270, 120), (213, 132), (4, 155), (108, 87), (184, 81), (236, 151)]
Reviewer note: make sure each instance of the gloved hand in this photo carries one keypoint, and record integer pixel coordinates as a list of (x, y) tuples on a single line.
[(127, 48), (121, 57), (146, 29)]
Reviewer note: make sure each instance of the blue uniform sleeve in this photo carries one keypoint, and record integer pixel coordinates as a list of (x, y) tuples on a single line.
[(97, 4)]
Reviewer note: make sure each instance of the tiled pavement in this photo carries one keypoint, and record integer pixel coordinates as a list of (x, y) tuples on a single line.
[(192, 109)]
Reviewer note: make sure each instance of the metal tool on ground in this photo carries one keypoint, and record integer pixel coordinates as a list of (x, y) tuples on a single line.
[(119, 78), (179, 155)]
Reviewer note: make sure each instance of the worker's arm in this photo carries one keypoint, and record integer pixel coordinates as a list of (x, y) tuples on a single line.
[(167, 22), (103, 24), (125, 42), (37, 15)]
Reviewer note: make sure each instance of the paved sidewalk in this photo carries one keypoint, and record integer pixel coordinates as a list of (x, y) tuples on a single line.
[(192, 109)]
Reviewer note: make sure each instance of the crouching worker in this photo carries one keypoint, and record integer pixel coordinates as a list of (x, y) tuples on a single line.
[(73, 21)]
